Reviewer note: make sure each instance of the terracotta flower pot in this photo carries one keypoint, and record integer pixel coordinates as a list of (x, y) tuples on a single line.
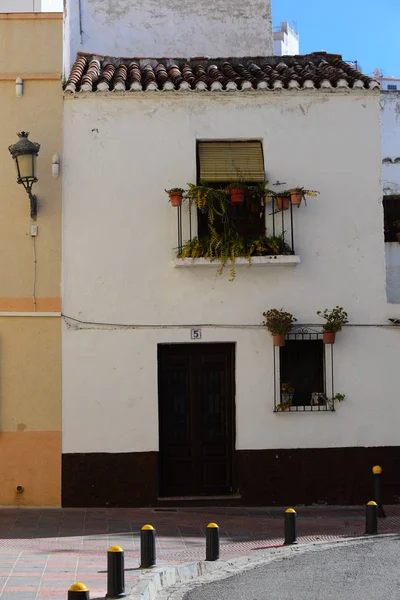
[(328, 337), (282, 202), (278, 340), (175, 199), (296, 196), (237, 195)]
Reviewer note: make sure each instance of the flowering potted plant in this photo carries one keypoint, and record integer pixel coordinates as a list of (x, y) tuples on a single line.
[(297, 194), (175, 196), (279, 323), (335, 319)]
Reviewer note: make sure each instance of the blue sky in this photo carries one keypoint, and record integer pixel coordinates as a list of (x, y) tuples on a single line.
[(364, 30)]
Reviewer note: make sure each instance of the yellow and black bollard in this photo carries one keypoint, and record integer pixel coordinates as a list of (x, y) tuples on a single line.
[(290, 527), (377, 472), (212, 542), (147, 547), (115, 572), (78, 591), (371, 518)]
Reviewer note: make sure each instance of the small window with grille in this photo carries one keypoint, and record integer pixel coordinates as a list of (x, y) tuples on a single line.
[(391, 87), (303, 373)]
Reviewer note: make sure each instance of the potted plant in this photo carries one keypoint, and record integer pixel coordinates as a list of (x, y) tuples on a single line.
[(287, 393), (282, 201), (297, 194), (335, 319), (396, 224), (175, 196), (236, 192), (279, 323)]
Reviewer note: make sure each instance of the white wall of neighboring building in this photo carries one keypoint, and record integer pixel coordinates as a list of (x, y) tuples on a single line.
[(286, 40), (119, 235), (390, 133), (17, 6), (221, 28), (390, 84)]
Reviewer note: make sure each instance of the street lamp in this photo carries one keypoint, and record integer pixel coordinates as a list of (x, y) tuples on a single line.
[(24, 153)]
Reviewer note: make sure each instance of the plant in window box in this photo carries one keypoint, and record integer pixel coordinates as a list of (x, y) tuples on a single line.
[(230, 245), (396, 224), (297, 194), (263, 245), (278, 323), (219, 246), (287, 393), (175, 196), (335, 319)]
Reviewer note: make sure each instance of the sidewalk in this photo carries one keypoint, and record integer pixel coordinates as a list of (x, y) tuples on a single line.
[(42, 552)]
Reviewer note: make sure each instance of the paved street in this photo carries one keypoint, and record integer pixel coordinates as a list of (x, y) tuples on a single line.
[(42, 552), (367, 571)]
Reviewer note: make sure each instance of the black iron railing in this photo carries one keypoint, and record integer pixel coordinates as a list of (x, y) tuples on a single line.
[(278, 227)]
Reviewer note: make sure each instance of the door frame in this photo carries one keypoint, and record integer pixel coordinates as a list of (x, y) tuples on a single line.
[(232, 362)]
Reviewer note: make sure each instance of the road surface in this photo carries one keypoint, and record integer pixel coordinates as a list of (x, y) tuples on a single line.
[(369, 571)]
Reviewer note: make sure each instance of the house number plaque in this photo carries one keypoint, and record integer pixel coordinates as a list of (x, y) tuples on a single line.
[(195, 334)]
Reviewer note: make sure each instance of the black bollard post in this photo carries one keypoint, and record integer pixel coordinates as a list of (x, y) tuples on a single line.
[(212, 542), (290, 527), (371, 518), (147, 547), (78, 591), (377, 472), (115, 572)]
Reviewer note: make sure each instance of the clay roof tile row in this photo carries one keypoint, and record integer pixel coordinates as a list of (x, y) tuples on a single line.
[(313, 71)]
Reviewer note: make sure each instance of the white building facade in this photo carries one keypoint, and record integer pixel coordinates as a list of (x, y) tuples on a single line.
[(171, 384), (286, 40)]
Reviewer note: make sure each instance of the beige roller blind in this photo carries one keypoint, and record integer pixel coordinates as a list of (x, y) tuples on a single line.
[(231, 161)]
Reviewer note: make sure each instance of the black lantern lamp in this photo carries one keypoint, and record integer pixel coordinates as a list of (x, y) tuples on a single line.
[(25, 153)]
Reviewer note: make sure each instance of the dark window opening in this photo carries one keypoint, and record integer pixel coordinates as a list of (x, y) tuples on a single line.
[(391, 216), (302, 367)]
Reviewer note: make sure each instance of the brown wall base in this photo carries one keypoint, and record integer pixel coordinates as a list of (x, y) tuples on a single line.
[(262, 477)]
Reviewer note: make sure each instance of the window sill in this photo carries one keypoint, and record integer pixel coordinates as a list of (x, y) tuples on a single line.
[(303, 409), (256, 261)]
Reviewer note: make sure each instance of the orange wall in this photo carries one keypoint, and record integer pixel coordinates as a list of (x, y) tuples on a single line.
[(31, 459)]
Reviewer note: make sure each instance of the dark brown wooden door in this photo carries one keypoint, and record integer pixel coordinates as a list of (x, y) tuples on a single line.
[(196, 416)]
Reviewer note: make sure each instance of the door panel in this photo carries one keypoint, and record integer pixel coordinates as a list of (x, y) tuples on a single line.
[(196, 413)]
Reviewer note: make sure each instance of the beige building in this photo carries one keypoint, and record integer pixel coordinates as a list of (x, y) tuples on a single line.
[(30, 317)]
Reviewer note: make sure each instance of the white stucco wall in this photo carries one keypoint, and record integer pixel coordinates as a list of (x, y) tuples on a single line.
[(119, 235), (173, 28)]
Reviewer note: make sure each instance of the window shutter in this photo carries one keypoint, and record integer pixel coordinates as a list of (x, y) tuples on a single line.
[(231, 161)]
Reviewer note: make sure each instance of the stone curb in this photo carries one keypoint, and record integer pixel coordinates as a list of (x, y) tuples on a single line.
[(180, 579)]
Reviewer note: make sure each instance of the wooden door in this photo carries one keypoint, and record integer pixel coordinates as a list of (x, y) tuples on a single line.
[(196, 417)]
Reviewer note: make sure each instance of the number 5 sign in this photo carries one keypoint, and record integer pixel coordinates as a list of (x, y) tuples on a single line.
[(195, 334)]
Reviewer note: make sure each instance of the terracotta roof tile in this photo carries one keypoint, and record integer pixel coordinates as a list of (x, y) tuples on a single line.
[(92, 73)]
